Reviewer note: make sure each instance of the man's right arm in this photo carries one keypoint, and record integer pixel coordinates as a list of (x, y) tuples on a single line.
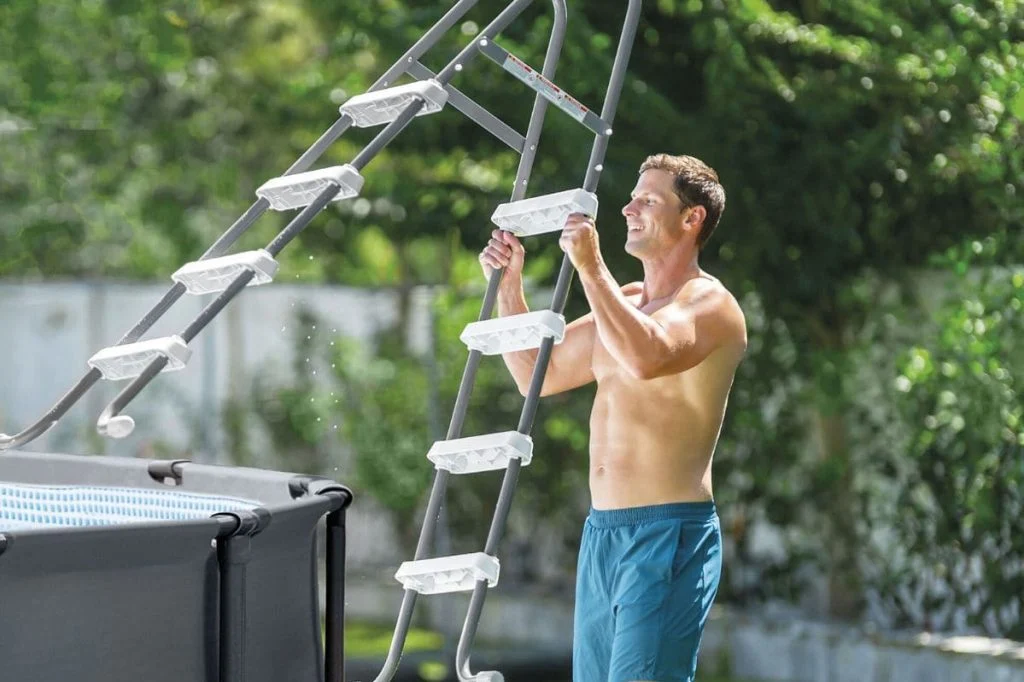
[(570, 363)]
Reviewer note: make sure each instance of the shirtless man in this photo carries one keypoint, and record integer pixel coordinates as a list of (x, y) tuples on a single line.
[(663, 353)]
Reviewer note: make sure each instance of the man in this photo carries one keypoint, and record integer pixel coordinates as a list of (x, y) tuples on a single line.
[(663, 353)]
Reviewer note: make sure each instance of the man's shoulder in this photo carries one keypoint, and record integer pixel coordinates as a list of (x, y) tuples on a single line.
[(706, 289), (711, 297)]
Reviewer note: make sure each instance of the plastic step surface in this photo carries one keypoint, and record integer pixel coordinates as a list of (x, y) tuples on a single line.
[(458, 573), (301, 189), (547, 213), (481, 453), (514, 332), (383, 106), (214, 275), (128, 361)]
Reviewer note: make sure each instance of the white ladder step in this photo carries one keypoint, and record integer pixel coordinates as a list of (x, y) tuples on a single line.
[(299, 190), (128, 361), (514, 332), (383, 106), (547, 213), (214, 275), (481, 453), (457, 573)]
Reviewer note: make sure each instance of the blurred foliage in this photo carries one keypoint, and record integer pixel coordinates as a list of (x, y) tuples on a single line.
[(856, 139), (942, 478)]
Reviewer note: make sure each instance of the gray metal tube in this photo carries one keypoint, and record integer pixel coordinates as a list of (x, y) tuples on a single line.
[(334, 630), (500, 22), (443, 25), (440, 484), (207, 314), (611, 99), (384, 137), (560, 296), (540, 106), (390, 132), (418, 49), (476, 113)]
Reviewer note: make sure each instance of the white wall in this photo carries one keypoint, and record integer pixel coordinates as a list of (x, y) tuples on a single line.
[(49, 331)]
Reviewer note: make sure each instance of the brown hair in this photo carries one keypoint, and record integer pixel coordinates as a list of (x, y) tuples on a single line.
[(696, 184)]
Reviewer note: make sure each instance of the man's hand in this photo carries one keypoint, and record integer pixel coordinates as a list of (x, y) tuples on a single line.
[(504, 250), (579, 240)]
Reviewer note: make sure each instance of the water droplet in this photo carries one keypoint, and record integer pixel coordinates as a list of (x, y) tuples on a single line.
[(283, 328), (314, 372), (318, 418), (310, 258), (308, 337)]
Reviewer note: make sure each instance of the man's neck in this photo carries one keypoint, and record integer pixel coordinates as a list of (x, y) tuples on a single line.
[(665, 276)]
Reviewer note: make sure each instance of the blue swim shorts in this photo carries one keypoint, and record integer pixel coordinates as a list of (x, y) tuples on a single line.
[(645, 581)]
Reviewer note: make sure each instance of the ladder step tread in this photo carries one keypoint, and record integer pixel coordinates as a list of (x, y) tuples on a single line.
[(458, 573), (383, 106), (546, 213), (481, 453), (129, 360), (301, 189), (513, 332), (215, 274)]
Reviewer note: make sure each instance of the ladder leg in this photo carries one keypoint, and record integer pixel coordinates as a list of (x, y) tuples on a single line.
[(560, 296), (439, 487)]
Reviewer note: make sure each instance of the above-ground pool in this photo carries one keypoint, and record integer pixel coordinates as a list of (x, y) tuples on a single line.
[(130, 570)]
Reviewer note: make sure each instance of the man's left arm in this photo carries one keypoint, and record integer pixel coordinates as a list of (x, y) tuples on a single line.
[(675, 338)]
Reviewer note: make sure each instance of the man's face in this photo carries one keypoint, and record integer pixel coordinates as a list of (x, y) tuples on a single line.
[(655, 218)]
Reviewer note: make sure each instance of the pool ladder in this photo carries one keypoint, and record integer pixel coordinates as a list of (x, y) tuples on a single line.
[(311, 191)]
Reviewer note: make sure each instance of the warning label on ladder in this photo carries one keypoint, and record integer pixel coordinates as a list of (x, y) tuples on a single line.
[(549, 90)]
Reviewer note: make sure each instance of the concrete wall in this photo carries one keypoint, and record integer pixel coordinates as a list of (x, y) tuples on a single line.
[(781, 649), (48, 332)]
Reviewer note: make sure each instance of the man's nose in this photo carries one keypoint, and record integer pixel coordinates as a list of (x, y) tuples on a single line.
[(629, 209)]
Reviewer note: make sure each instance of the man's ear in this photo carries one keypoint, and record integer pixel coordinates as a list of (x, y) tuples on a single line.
[(697, 216)]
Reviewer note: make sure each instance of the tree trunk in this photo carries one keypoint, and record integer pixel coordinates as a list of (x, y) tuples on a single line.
[(844, 586)]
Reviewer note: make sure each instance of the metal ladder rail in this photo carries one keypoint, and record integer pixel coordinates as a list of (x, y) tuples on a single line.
[(561, 293), (440, 483), (111, 415), (404, 64)]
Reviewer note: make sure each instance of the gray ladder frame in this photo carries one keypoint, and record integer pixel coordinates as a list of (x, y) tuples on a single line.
[(405, 64), (526, 146), (529, 411)]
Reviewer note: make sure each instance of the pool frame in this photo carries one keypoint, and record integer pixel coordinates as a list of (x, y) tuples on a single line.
[(227, 598)]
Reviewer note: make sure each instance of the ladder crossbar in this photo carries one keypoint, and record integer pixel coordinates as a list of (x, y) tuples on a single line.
[(476, 113), (545, 87)]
